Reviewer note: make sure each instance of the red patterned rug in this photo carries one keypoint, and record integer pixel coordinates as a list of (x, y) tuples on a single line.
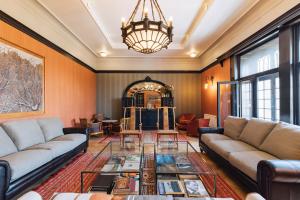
[(68, 179)]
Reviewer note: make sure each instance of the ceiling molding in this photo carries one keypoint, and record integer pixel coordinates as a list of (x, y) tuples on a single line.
[(253, 21), (150, 71), (196, 21), (21, 27), (62, 23), (266, 33)]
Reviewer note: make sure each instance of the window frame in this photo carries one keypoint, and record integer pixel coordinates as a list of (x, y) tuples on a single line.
[(253, 78)]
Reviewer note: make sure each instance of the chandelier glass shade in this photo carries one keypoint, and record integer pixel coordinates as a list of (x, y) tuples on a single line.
[(147, 35)]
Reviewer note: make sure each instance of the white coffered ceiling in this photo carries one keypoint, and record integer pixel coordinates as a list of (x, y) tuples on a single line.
[(197, 23)]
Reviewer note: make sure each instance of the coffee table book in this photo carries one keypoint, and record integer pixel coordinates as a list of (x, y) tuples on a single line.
[(170, 187), (102, 183), (195, 188)]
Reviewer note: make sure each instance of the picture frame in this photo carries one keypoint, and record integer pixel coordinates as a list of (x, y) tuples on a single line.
[(22, 81)]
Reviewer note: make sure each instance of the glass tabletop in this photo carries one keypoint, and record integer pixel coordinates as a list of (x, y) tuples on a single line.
[(114, 158), (181, 158)]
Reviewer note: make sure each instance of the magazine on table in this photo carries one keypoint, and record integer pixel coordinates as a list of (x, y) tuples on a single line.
[(170, 187), (133, 158), (195, 188), (126, 185), (111, 168), (131, 166)]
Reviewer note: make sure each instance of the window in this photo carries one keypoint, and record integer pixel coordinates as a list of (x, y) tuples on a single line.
[(259, 82), (262, 58), (246, 99), (268, 97)]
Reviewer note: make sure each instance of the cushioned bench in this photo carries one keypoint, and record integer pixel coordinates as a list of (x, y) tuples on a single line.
[(31, 149)]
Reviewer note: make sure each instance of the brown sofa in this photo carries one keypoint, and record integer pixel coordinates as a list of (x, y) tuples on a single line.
[(264, 155)]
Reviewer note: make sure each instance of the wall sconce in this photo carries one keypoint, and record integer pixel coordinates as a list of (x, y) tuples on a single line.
[(209, 80)]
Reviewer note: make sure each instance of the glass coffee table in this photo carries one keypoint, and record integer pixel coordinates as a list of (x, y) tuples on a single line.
[(115, 170), (181, 171)]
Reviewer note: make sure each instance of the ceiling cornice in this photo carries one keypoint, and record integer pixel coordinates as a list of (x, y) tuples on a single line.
[(196, 21), (21, 27)]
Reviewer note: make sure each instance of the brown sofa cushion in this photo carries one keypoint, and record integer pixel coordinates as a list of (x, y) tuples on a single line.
[(256, 131), (233, 126), (225, 147), (283, 142), (247, 161)]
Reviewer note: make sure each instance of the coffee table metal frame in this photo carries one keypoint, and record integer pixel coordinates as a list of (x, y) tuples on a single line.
[(105, 154), (158, 149)]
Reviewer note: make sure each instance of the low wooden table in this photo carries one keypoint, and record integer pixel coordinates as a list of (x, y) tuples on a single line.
[(110, 123), (125, 133), (173, 133)]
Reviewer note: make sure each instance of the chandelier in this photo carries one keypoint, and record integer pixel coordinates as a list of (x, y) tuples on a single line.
[(147, 35)]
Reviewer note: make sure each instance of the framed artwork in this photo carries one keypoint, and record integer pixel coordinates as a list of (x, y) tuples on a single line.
[(21, 81)]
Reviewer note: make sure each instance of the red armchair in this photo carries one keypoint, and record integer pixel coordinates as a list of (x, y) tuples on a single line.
[(184, 120), (192, 128)]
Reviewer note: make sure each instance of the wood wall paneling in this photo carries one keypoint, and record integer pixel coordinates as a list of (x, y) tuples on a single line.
[(209, 95), (110, 87), (69, 87)]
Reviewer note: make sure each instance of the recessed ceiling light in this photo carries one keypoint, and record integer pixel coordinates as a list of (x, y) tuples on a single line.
[(193, 54), (103, 53)]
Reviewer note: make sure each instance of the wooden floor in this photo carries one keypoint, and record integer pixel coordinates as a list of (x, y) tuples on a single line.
[(95, 146)]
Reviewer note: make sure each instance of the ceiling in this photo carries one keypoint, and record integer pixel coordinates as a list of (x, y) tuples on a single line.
[(197, 23)]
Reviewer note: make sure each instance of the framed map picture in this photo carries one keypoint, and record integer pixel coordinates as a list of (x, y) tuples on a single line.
[(21, 81)]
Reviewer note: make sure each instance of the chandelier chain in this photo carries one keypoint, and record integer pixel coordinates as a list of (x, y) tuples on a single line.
[(142, 16), (160, 12), (131, 18), (151, 1)]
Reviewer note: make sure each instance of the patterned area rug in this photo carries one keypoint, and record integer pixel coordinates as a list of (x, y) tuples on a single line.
[(68, 178)]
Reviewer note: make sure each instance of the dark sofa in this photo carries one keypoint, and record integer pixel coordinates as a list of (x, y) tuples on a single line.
[(31, 150), (263, 155)]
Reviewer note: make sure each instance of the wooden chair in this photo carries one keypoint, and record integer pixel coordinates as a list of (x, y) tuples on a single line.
[(128, 127), (94, 129), (166, 128)]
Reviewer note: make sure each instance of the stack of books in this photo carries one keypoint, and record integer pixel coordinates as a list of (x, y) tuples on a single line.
[(125, 186), (103, 183)]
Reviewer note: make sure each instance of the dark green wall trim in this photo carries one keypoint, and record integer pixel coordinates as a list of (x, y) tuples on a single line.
[(21, 27)]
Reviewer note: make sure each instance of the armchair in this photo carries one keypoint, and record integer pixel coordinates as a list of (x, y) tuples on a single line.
[(184, 120), (192, 127)]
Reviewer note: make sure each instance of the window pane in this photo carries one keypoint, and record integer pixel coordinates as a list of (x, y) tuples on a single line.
[(263, 58), (268, 99), (246, 91)]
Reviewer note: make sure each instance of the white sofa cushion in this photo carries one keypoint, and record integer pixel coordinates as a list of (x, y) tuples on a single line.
[(247, 161), (24, 133), (283, 142), (233, 126), (6, 144), (225, 147), (51, 127), (256, 131), (208, 137), (77, 138), (57, 148), (26, 161)]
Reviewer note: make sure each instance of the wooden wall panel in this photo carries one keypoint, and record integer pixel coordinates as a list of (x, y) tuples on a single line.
[(69, 87), (110, 87), (209, 95)]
